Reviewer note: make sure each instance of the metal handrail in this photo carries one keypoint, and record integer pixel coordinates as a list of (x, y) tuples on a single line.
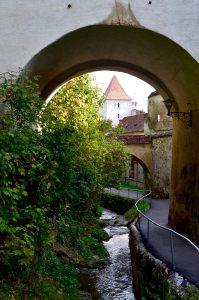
[(121, 192), (171, 231)]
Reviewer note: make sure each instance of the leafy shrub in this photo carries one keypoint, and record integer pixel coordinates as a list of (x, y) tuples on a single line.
[(99, 211), (49, 180), (131, 214), (62, 273), (43, 290), (116, 203), (193, 293)]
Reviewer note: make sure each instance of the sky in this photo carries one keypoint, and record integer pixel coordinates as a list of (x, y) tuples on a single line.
[(136, 88)]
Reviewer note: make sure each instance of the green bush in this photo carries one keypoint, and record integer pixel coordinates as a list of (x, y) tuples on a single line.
[(132, 213), (193, 293), (85, 235), (53, 162), (116, 203), (62, 273), (128, 186)]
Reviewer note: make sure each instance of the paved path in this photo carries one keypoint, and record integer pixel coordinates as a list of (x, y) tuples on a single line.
[(186, 257)]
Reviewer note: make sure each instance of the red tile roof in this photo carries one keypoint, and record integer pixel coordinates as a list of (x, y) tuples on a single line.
[(133, 124), (135, 139), (115, 91)]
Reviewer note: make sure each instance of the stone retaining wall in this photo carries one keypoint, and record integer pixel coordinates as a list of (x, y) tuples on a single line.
[(150, 275)]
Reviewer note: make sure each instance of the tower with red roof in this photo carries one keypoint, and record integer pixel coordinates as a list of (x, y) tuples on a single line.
[(117, 104)]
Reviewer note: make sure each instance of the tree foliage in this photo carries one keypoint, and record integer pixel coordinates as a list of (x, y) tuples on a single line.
[(50, 178), (20, 102), (76, 106)]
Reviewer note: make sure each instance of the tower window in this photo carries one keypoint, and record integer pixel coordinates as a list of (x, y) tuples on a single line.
[(118, 105), (118, 116)]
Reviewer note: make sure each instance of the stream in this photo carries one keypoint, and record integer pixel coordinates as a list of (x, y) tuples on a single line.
[(112, 281)]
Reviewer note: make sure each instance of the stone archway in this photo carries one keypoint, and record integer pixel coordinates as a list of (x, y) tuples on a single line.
[(139, 173), (137, 51), (153, 58)]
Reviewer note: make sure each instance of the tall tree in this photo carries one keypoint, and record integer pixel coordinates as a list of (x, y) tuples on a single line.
[(76, 107)]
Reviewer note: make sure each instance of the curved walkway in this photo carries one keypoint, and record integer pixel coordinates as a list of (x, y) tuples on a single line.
[(186, 257)]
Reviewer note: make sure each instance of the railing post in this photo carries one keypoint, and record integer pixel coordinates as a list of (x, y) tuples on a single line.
[(172, 253), (128, 194), (140, 215), (148, 232), (138, 219)]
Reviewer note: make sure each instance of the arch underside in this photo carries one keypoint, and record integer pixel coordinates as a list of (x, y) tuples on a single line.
[(147, 180), (141, 162), (137, 51)]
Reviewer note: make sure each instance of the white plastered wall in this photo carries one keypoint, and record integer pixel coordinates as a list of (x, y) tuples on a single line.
[(26, 27)]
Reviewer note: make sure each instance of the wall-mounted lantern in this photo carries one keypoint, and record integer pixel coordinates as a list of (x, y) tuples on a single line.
[(184, 116)]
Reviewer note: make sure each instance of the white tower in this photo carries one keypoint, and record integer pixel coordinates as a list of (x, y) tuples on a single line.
[(117, 104)]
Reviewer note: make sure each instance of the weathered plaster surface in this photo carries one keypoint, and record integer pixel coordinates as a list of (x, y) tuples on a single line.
[(174, 19), (162, 159), (143, 152), (157, 120), (28, 26), (184, 207), (122, 14), (159, 126)]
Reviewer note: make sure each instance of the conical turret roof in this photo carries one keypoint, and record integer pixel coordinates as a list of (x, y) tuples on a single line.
[(115, 91)]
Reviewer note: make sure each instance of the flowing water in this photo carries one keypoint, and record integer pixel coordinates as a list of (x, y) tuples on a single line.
[(114, 280)]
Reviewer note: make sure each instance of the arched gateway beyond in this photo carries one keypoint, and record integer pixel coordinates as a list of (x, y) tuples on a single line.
[(120, 42), (138, 173)]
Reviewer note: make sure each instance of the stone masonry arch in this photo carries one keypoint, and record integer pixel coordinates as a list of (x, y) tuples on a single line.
[(147, 180), (151, 57), (143, 153), (57, 43), (140, 52)]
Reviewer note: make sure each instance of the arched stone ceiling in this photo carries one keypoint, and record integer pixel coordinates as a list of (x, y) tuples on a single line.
[(137, 51)]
